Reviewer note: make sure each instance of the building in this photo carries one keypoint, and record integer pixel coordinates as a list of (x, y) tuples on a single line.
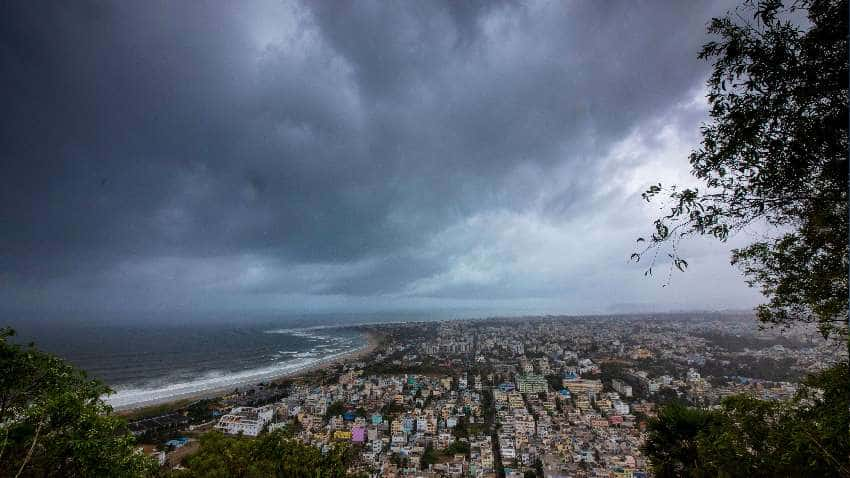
[(581, 385), (245, 420), (177, 442), (621, 407), (531, 383), (621, 387)]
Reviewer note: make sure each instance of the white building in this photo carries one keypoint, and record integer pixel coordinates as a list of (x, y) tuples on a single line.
[(620, 407), (531, 383), (693, 375), (622, 387), (246, 420)]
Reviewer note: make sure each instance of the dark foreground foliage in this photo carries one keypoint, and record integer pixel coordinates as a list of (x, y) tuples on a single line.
[(808, 436), (274, 454), (53, 422)]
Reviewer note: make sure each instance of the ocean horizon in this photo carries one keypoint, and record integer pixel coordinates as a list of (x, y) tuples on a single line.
[(164, 361)]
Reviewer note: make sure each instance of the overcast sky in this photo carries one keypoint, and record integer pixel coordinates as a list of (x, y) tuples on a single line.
[(334, 156)]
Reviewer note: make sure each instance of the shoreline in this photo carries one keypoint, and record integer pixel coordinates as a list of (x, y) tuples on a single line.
[(372, 339)]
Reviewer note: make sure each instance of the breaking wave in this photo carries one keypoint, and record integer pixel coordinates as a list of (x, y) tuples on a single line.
[(219, 380)]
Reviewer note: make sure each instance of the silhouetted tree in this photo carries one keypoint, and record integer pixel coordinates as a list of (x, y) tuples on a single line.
[(774, 152)]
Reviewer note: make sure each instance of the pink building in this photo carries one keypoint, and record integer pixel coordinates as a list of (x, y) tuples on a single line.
[(358, 434)]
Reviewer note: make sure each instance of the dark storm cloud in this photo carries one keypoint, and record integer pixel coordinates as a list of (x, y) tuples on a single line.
[(323, 148)]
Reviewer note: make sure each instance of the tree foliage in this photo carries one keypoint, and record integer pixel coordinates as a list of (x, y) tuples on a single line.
[(429, 457), (334, 409), (808, 436), (672, 440), (53, 422), (274, 454), (457, 447), (201, 411), (774, 153)]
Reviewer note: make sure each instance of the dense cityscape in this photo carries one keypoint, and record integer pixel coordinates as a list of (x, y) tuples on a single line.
[(538, 396), (306, 239)]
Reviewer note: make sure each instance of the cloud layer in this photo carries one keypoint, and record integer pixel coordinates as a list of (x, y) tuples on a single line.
[(371, 155)]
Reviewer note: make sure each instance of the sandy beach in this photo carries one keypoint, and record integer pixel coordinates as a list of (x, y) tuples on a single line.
[(177, 400)]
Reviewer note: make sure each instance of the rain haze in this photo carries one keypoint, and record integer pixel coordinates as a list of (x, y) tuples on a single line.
[(209, 158)]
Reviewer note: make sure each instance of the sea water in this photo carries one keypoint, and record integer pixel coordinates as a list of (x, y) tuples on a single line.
[(147, 361)]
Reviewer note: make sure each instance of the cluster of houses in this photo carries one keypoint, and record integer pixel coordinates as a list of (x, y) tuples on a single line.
[(501, 398)]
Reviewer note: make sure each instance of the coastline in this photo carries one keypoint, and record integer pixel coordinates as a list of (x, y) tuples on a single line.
[(372, 339)]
